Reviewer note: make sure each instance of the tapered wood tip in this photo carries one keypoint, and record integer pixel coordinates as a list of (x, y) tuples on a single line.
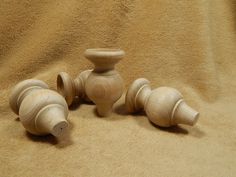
[(59, 128), (184, 114)]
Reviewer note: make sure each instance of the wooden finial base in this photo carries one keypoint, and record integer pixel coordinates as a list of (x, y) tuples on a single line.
[(104, 85), (164, 106), (41, 111)]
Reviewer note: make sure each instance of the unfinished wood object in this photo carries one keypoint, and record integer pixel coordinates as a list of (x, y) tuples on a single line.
[(104, 85), (41, 111), (70, 89), (164, 106)]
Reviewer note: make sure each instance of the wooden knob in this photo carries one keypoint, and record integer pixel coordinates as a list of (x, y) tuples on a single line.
[(164, 106), (41, 111), (70, 88), (104, 85)]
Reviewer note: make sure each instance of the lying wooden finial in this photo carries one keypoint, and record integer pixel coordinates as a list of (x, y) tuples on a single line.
[(104, 85), (41, 111), (70, 88), (164, 106)]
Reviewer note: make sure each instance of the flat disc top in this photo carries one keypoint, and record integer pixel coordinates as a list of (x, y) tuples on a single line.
[(104, 53)]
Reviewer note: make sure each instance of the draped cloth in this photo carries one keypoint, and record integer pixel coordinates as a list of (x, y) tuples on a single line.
[(188, 45)]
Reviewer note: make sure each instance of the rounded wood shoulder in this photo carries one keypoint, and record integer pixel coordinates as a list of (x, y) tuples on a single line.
[(20, 89), (160, 105), (103, 88)]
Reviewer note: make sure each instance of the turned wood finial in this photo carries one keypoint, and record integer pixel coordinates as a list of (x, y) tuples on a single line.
[(41, 111), (70, 88), (164, 106), (104, 85)]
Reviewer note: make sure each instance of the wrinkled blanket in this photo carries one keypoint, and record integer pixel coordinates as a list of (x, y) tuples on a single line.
[(188, 45)]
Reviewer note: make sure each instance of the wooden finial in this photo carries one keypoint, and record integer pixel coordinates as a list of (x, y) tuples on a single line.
[(104, 85), (41, 111), (70, 88), (164, 106)]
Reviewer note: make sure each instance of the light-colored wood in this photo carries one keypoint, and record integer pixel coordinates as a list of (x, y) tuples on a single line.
[(104, 85), (41, 111), (164, 106), (70, 89)]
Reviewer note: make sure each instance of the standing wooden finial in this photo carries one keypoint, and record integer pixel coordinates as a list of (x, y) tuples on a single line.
[(104, 85), (70, 88), (41, 111), (164, 106)]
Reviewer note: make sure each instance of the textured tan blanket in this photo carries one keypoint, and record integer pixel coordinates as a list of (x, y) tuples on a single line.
[(186, 44)]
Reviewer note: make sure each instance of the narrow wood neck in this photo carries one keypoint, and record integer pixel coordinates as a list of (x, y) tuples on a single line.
[(78, 86), (103, 68), (142, 96)]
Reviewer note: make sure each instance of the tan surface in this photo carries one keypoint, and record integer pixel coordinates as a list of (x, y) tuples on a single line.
[(189, 45)]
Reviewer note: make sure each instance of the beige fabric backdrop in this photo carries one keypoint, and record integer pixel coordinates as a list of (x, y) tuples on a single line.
[(189, 45)]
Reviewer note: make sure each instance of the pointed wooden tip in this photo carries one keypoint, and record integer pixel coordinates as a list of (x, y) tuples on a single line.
[(104, 110)]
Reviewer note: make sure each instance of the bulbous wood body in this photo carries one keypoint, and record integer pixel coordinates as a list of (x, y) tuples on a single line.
[(70, 89), (104, 85), (164, 106), (41, 111)]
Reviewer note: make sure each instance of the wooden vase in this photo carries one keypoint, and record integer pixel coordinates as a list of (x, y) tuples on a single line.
[(41, 111), (164, 106), (104, 85)]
